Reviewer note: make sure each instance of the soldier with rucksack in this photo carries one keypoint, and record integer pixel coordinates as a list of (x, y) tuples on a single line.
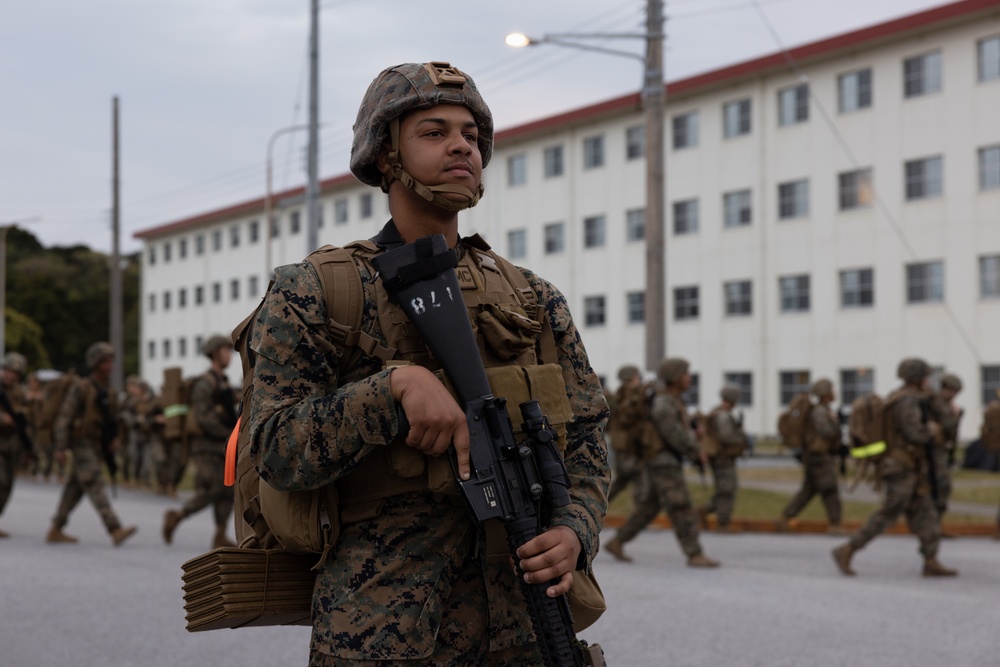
[(13, 420), (820, 437), (904, 472), (947, 416), (629, 411), (723, 443)]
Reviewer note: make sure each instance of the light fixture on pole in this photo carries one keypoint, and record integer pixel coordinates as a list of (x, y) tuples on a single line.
[(653, 101), (268, 224)]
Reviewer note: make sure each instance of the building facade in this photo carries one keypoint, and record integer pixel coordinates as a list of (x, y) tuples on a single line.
[(829, 211)]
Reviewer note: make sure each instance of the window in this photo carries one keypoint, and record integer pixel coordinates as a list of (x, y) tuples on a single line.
[(199, 295), (792, 383), (686, 216), (234, 289), (151, 349), (216, 292), (922, 74), (793, 199), (217, 240), (990, 376), (517, 243), (635, 142), (234, 236), (182, 297), (275, 226), (152, 303), (555, 241), (254, 230), (794, 293), (686, 130), (738, 298), (924, 178), (744, 382), (925, 282), (594, 231), (365, 204), (182, 347), (166, 348), (855, 383), (691, 397), (736, 207), (166, 252), (793, 105), (166, 301), (857, 288), (736, 118), (855, 189), (553, 158), (635, 224), (686, 303), (182, 249), (152, 254), (199, 244), (593, 311), (294, 222), (854, 90), (635, 303), (593, 152), (989, 58), (319, 214), (340, 211), (989, 277), (253, 287), (517, 169), (989, 168), (199, 343)]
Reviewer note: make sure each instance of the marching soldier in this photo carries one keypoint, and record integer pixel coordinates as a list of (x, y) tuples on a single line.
[(947, 416), (629, 407), (13, 409), (723, 444)]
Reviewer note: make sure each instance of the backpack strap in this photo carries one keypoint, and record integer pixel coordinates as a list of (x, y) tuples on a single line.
[(529, 301)]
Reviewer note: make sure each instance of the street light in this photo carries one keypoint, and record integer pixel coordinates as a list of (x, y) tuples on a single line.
[(654, 100), (267, 197)]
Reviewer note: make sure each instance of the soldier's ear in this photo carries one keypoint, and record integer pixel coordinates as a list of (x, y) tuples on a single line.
[(382, 158)]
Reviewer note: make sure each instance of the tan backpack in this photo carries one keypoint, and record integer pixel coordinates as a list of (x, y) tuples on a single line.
[(990, 431), (793, 422)]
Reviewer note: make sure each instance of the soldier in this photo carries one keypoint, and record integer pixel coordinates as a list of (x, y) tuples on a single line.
[(819, 467), (946, 416), (411, 581), (665, 475), (629, 406), (13, 409), (133, 426), (214, 412), (87, 426), (723, 444), (904, 473)]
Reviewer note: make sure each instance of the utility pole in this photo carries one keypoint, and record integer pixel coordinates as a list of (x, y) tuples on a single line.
[(3, 288), (115, 309), (312, 189), (654, 100)]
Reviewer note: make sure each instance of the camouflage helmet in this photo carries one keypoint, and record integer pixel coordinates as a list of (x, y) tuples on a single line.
[(672, 369), (399, 90), (951, 381), (97, 353), (17, 362), (730, 393), (214, 344), (822, 388), (913, 370), (627, 372)]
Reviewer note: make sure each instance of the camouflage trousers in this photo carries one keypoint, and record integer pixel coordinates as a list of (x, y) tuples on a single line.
[(629, 469), (942, 476), (724, 497), (903, 495), (667, 491), (210, 488), (85, 478), (8, 470), (819, 476), (462, 640)]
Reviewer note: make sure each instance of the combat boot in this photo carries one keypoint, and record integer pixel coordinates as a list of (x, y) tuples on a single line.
[(119, 534), (934, 568), (170, 521), (701, 560), (617, 549), (56, 536), (842, 557), (220, 539)]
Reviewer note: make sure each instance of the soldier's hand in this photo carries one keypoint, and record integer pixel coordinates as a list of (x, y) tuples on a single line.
[(436, 420), (552, 555)]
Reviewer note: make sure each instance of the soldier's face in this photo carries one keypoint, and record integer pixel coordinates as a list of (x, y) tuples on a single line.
[(440, 146), (223, 356), (10, 377)]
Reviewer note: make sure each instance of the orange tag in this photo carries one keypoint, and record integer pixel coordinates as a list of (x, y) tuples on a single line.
[(230, 477)]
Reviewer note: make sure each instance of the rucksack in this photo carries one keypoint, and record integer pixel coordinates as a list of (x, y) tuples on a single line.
[(634, 432), (990, 431), (866, 425), (52, 398), (794, 421), (179, 421)]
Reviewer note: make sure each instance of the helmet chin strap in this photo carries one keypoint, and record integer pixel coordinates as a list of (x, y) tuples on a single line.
[(431, 193)]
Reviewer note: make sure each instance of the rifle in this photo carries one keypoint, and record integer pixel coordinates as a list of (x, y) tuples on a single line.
[(21, 425), (516, 483), (109, 430), (929, 448)]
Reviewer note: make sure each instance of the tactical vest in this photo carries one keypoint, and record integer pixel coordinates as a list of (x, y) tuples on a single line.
[(88, 422), (909, 455), (711, 445)]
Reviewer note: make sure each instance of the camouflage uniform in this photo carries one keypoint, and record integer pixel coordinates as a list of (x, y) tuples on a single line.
[(316, 416), (945, 442), (665, 476), (629, 402), (819, 465), (11, 446), (78, 428), (732, 442)]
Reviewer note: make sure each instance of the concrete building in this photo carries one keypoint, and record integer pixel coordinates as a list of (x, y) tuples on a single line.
[(830, 210)]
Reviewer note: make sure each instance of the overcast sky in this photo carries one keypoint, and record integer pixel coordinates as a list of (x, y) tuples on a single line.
[(204, 84)]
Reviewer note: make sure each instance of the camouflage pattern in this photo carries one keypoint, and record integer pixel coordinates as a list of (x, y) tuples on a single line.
[(913, 370), (78, 429), (208, 450), (907, 431), (215, 343), (667, 488), (11, 447), (903, 496), (819, 476), (728, 430), (629, 469), (97, 353), (822, 388), (315, 418), (823, 430), (946, 442), (951, 381), (16, 362), (723, 499)]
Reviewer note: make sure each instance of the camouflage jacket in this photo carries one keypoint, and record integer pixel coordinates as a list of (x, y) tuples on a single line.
[(9, 440), (823, 432), (82, 421), (940, 411), (728, 431), (906, 428), (313, 421), (671, 420), (214, 409)]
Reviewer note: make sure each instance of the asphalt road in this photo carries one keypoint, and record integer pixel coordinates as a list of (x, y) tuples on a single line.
[(776, 601)]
